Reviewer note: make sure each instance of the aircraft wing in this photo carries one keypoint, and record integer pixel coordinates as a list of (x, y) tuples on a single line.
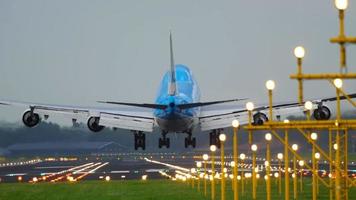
[(221, 116), (140, 119)]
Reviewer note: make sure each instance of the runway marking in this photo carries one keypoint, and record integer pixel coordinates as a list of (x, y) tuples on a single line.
[(54, 167), (120, 172)]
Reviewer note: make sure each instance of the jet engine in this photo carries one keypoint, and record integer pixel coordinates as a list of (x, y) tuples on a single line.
[(93, 124), (259, 118), (322, 113), (30, 119)]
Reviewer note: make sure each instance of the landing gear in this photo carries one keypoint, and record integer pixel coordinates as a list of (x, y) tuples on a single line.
[(140, 140), (214, 137), (190, 141), (164, 141)]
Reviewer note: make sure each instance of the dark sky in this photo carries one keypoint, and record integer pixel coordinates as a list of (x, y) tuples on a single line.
[(78, 52)]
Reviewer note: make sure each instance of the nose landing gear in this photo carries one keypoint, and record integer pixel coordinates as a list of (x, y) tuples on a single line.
[(140, 140)]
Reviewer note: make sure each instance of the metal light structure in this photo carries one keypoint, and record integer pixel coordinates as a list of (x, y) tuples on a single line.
[(254, 182), (314, 137), (286, 162), (317, 157), (235, 125), (299, 53), (199, 165), (301, 165), (192, 171), (342, 5), (249, 107), (213, 149), (295, 148), (270, 85), (242, 158), (222, 138), (205, 158), (268, 137), (280, 158)]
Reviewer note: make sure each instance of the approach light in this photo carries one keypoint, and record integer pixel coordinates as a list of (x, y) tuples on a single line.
[(270, 85), (232, 163), (205, 157), (254, 147), (295, 147), (317, 155), (235, 123), (301, 163), (338, 83), (107, 178), (213, 148), (242, 156), (335, 146), (308, 105), (280, 156), (341, 4), (250, 106), (299, 52), (222, 137), (268, 136), (286, 121), (199, 164), (314, 136), (276, 174)]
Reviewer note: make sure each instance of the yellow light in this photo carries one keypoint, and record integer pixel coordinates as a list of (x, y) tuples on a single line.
[(266, 163), (268, 137), (235, 123), (335, 146), (238, 177), (225, 170), (299, 52), (144, 177), (266, 177), (280, 156), (295, 147), (242, 156), (286, 121), (231, 176), (258, 176), (34, 179), (314, 136), (293, 175), (19, 178), (256, 169), (199, 164), (301, 163), (338, 83), (205, 157), (250, 106), (308, 105), (213, 148), (254, 147), (317, 155), (270, 85), (341, 4), (222, 137), (232, 164)]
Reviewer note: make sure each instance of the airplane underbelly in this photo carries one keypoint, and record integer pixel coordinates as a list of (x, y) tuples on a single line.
[(179, 124)]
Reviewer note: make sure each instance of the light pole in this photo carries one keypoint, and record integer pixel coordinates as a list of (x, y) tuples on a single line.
[(286, 163), (317, 157), (301, 164), (193, 171), (235, 125), (341, 5), (249, 108), (270, 85), (280, 158), (268, 138), (213, 149), (205, 158), (222, 138), (295, 148), (254, 186), (242, 157), (198, 170), (299, 52), (314, 137)]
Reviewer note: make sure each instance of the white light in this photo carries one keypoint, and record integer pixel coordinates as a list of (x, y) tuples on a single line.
[(225, 170), (144, 177), (238, 177), (249, 106), (268, 137), (193, 170), (266, 163), (254, 147), (317, 155), (222, 137), (276, 175), (335, 146), (301, 163), (235, 123), (293, 175), (314, 136), (270, 85), (205, 157), (308, 105), (295, 147), (242, 156), (286, 121), (213, 148), (299, 52), (280, 156), (338, 83), (107, 178), (232, 164), (231, 176), (199, 164), (341, 4), (258, 176)]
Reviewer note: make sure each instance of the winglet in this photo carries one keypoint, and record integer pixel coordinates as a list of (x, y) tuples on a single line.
[(172, 86)]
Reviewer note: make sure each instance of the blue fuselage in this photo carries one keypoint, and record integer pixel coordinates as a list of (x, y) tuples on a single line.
[(174, 119)]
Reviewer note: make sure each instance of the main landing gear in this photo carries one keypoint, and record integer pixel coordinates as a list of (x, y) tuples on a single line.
[(214, 137), (190, 141), (140, 140), (164, 141)]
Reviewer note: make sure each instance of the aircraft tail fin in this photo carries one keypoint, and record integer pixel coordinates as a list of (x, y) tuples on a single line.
[(172, 84)]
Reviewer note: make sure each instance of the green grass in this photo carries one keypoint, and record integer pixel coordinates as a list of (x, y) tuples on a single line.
[(132, 190)]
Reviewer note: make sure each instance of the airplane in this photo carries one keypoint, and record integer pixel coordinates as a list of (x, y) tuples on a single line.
[(177, 109)]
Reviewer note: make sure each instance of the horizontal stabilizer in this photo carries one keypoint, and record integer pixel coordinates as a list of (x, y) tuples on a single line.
[(199, 104), (141, 105)]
